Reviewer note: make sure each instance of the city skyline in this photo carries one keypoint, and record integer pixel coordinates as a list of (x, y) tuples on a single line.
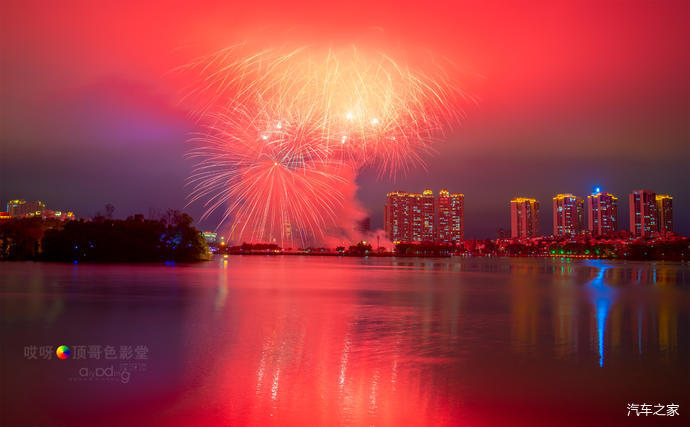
[(423, 217), (546, 119), (355, 213)]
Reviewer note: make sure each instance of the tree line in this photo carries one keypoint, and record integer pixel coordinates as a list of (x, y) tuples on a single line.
[(135, 239)]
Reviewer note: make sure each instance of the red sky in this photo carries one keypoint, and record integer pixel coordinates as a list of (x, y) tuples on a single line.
[(571, 95)]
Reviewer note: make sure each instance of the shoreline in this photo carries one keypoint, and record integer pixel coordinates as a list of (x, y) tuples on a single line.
[(327, 255)]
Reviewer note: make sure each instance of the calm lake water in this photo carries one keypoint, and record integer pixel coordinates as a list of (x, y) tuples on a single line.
[(331, 341)]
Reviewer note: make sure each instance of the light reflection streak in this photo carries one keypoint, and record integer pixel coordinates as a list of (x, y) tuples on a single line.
[(222, 293), (394, 374), (260, 371), (343, 363), (374, 389), (639, 330), (602, 296), (355, 354), (274, 386)]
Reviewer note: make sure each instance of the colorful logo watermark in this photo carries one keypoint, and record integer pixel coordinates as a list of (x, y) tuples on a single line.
[(127, 360), (63, 352)]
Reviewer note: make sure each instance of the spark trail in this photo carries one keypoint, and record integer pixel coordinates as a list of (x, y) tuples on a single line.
[(284, 133)]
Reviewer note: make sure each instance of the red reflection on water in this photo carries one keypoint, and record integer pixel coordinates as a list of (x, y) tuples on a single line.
[(312, 360), (294, 341)]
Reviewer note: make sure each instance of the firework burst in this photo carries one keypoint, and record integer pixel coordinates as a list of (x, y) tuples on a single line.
[(285, 131)]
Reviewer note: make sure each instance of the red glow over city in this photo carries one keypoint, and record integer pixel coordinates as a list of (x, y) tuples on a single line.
[(585, 86), (324, 213)]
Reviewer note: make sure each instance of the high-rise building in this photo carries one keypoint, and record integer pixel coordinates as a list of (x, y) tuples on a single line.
[(21, 208), (643, 213), (602, 213), (427, 207), (397, 216), (415, 217), (451, 217), (524, 218), (664, 212), (568, 215)]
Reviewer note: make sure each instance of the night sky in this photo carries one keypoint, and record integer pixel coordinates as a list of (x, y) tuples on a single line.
[(569, 97)]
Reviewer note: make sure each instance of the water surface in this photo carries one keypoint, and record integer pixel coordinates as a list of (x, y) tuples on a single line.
[(329, 341)]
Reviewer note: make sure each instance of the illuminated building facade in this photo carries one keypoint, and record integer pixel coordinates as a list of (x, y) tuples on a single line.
[(524, 218), (602, 214), (643, 213), (568, 215), (426, 220), (210, 237), (451, 217), (64, 216), (415, 217), (397, 216), (664, 212), (22, 208)]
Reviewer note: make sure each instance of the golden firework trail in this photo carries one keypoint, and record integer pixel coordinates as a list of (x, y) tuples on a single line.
[(285, 131)]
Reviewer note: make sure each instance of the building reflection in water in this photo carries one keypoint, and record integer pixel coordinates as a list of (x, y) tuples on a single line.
[(589, 294), (385, 353), (602, 296), (667, 324), (565, 306), (525, 305), (222, 293), (348, 341)]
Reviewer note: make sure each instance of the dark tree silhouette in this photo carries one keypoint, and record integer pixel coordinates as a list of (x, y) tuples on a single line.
[(109, 210), (134, 239)]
